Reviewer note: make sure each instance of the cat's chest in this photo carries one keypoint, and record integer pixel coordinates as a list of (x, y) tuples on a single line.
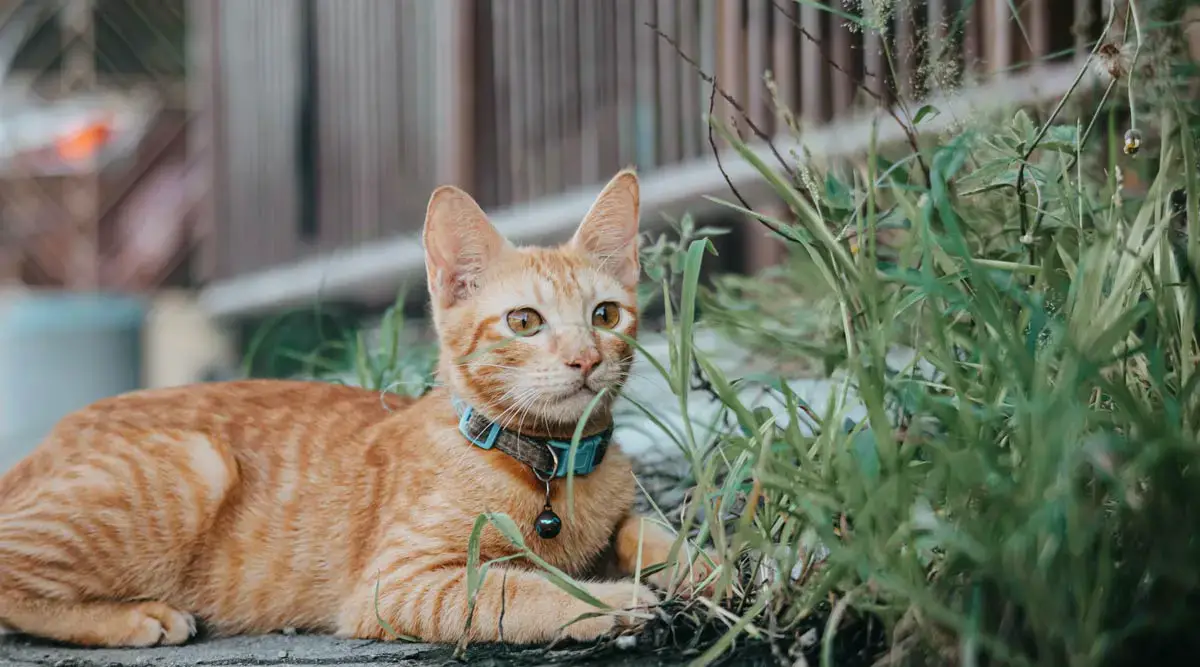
[(589, 513), (588, 525)]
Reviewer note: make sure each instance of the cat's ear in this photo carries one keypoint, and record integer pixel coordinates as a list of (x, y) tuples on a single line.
[(460, 243), (609, 232)]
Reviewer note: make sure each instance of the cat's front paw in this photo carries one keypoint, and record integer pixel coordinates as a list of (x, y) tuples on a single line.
[(630, 603), (694, 579)]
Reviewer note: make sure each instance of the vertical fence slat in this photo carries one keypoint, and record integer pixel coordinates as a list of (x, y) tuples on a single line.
[(609, 128), (783, 58), (351, 117), (904, 54), (1082, 10), (589, 147), (874, 65), (972, 49), (535, 104), (757, 41), (627, 68), (731, 58), (550, 128), (646, 115), (689, 92), (206, 139), (998, 36), (455, 58), (331, 219), (233, 23), (259, 247), (497, 122), (1039, 27), (708, 61), (517, 47), (812, 66), (405, 22), (392, 189), (935, 43), (668, 84), (567, 104), (844, 81)]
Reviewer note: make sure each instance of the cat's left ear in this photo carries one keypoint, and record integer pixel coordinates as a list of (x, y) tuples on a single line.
[(609, 232), (460, 245)]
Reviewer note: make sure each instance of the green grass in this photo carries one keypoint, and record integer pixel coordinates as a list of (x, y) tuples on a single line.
[(1031, 500)]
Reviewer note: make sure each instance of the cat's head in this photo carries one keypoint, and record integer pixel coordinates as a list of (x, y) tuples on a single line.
[(527, 333)]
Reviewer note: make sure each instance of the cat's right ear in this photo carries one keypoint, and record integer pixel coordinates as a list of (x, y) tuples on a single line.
[(460, 243)]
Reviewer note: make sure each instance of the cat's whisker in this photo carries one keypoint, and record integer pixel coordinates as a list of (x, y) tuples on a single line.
[(523, 412), (482, 365), (516, 403)]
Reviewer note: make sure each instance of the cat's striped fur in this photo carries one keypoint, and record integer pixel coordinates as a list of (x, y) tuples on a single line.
[(260, 505)]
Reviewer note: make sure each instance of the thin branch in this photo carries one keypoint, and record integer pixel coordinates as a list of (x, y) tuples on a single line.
[(715, 88), (712, 141), (710, 79), (827, 57), (907, 127), (1037, 139)]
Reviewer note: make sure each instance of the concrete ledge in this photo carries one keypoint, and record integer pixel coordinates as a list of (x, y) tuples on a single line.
[(235, 651), (279, 650)]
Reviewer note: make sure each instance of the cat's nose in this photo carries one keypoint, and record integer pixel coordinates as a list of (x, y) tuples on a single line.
[(585, 361)]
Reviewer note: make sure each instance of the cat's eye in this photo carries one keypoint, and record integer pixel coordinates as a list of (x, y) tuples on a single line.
[(524, 321), (606, 315)]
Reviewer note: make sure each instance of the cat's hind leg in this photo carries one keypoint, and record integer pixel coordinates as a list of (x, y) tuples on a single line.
[(97, 623), (95, 547)]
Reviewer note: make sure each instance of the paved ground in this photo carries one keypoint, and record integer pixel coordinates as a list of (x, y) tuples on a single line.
[(268, 650), (280, 650)]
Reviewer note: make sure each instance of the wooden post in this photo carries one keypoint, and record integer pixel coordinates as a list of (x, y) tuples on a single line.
[(762, 248), (844, 83), (81, 193), (453, 46), (875, 74), (205, 139), (813, 91), (997, 36), (783, 62), (730, 67), (1039, 28)]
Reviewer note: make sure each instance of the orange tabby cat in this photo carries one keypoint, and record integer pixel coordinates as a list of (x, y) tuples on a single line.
[(261, 505)]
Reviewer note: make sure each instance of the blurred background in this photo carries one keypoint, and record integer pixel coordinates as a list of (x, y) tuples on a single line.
[(188, 187)]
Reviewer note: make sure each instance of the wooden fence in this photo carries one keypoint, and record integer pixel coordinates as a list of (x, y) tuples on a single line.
[(93, 144), (331, 120)]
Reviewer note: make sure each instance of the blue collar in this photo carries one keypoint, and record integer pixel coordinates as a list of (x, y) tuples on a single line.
[(540, 454)]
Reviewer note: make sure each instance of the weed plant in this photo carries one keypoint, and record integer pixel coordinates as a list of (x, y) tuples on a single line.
[(1024, 491)]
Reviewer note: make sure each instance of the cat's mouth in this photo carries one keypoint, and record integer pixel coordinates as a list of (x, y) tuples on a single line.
[(580, 391)]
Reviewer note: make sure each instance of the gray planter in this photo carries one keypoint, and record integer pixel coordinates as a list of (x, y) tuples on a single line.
[(60, 351)]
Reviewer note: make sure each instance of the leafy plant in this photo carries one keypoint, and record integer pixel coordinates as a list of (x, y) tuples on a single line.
[(398, 360), (1022, 491)]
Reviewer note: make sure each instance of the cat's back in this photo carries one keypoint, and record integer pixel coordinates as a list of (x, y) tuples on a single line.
[(246, 402), (253, 422)]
